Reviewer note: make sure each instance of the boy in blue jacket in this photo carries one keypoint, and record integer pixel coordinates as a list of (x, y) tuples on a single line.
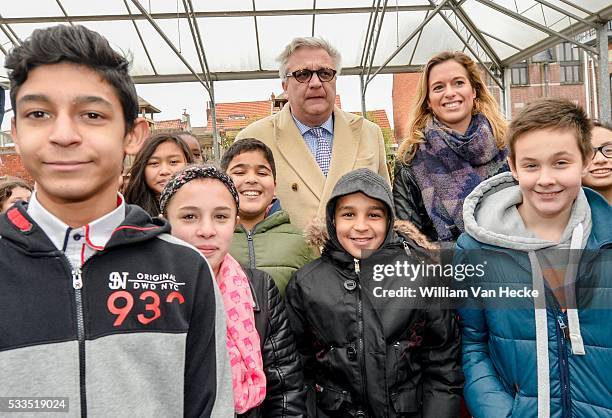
[(539, 230)]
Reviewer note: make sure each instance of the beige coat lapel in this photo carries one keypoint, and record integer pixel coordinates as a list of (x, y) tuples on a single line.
[(296, 153)]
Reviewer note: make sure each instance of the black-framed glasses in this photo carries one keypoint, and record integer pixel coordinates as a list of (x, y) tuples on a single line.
[(605, 149), (304, 75)]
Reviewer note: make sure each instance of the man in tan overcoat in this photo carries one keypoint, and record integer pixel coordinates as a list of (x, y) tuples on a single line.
[(314, 143)]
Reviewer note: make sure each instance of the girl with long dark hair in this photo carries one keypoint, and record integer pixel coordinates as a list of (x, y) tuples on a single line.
[(162, 155)]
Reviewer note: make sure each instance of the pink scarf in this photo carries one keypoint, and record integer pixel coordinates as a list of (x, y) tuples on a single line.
[(243, 344)]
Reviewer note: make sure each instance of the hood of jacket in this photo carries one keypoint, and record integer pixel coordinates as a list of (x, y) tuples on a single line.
[(399, 233), (370, 184), (20, 229), (491, 216)]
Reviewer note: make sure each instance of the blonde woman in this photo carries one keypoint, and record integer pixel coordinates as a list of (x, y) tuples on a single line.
[(455, 140)]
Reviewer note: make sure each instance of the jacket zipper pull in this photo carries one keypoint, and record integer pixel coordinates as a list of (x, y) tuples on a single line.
[(357, 268), (563, 327), (406, 248), (77, 280)]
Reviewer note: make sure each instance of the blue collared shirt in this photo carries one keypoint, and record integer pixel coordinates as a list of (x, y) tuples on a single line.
[(310, 139)]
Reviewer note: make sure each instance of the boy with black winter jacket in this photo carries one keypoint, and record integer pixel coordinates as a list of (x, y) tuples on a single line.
[(99, 305), (365, 357)]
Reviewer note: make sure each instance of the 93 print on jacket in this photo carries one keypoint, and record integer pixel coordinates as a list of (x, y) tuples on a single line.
[(117, 336)]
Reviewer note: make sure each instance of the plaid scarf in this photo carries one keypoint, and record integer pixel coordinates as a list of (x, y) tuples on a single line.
[(448, 166)]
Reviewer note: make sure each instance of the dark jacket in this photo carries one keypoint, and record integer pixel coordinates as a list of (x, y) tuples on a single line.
[(364, 358), (285, 394), (409, 205), (142, 334)]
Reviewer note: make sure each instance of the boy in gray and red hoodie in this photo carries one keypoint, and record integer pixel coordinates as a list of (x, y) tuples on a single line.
[(99, 304)]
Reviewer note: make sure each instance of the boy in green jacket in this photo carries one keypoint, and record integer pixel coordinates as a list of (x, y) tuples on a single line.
[(264, 238)]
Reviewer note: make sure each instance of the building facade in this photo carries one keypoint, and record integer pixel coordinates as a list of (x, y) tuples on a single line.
[(562, 71)]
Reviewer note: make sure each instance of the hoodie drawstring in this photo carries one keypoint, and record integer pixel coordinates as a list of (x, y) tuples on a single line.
[(541, 320), (541, 325), (570, 278)]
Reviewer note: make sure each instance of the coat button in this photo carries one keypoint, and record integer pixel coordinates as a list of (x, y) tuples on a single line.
[(351, 353), (350, 285), (294, 187)]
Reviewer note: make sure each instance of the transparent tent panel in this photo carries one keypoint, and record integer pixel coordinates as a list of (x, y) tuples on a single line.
[(546, 16), (501, 49), (277, 31), (503, 27), (408, 3), (84, 8), (330, 4), (43, 8), (164, 59), (284, 5), (24, 30), (396, 29), (229, 43), (166, 6), (591, 5), (123, 37), (435, 37), (334, 29), (368, 3)]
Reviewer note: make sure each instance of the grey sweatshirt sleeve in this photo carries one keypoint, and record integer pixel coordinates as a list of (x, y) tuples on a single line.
[(208, 377), (224, 403)]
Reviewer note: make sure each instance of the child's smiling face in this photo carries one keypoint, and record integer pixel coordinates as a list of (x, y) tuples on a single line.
[(549, 168), (599, 175), (361, 223), (203, 213)]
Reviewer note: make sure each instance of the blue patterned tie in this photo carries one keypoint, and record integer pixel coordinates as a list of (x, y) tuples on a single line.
[(323, 155)]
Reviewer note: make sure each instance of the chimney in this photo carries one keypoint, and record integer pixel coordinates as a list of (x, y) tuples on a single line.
[(186, 119)]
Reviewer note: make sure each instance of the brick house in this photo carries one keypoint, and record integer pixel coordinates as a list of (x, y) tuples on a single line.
[(232, 117), (11, 165), (235, 116)]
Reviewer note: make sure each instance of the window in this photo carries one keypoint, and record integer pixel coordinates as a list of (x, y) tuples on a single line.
[(570, 61), (520, 74)]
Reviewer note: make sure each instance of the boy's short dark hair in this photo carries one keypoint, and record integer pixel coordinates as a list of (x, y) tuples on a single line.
[(552, 113), (78, 45), (245, 145)]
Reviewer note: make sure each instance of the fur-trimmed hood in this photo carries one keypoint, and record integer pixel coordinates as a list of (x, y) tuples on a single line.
[(316, 234)]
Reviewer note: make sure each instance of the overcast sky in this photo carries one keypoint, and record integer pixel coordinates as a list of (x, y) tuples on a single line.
[(171, 99)]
